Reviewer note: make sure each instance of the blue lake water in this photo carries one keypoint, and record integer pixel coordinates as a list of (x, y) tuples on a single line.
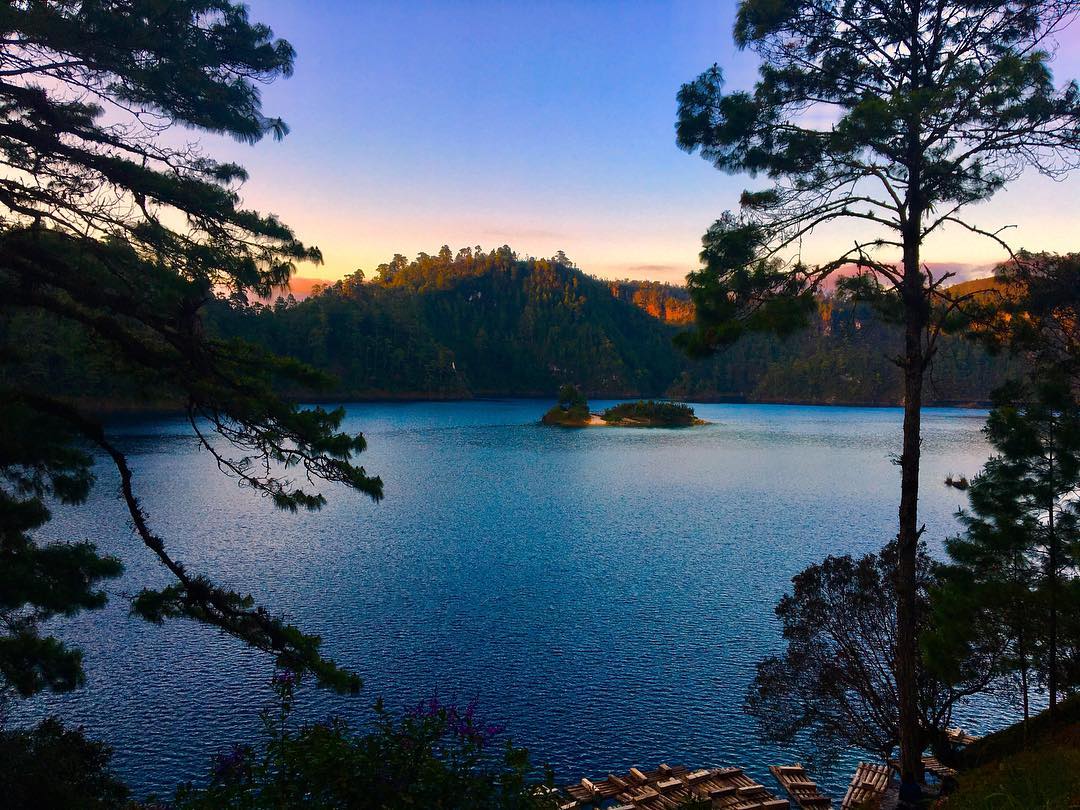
[(604, 593)]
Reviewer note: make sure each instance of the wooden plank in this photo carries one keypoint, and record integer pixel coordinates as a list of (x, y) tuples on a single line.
[(868, 786), (934, 766), (798, 785)]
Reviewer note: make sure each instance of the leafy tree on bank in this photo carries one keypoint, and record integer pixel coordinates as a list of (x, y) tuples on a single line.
[(1015, 570), (834, 685), (936, 105), (110, 232)]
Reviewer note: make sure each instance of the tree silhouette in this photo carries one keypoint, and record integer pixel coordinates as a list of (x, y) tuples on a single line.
[(1013, 569), (933, 105), (834, 683), (111, 229)]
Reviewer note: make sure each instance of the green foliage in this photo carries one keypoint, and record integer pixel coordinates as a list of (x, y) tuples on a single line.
[(650, 414), (1013, 573), (50, 766), (39, 582), (1045, 778), (473, 327), (1032, 764), (1039, 730), (1038, 304), (470, 323), (570, 397), (112, 242), (485, 334), (435, 755), (572, 409)]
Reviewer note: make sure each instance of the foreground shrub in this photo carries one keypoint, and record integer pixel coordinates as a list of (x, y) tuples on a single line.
[(433, 756), (52, 766), (1046, 778)]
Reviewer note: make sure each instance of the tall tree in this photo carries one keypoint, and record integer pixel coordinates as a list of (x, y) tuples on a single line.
[(933, 105), (119, 231), (1020, 550)]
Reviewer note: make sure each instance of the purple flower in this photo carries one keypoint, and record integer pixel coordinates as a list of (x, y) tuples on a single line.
[(285, 678), (232, 764)]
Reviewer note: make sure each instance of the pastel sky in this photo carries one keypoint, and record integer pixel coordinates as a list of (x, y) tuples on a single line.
[(542, 125)]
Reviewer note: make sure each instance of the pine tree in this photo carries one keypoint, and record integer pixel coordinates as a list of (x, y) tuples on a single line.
[(111, 231), (1014, 570), (931, 105)]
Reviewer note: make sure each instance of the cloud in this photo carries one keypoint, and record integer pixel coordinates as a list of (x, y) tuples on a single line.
[(512, 235), (675, 273), (300, 287), (961, 271)]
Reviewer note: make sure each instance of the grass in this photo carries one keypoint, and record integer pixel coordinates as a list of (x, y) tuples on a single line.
[(1043, 778), (1003, 773)]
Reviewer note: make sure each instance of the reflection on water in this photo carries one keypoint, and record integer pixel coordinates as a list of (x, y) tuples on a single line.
[(603, 592)]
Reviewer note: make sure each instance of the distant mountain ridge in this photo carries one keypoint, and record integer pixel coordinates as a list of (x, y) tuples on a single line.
[(484, 324), (475, 323)]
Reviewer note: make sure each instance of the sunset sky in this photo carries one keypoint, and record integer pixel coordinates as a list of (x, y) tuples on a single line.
[(544, 126)]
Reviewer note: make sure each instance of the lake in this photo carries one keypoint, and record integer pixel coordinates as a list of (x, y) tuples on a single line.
[(604, 592)]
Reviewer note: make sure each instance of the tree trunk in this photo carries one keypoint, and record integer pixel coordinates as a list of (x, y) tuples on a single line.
[(911, 740), (1052, 579)]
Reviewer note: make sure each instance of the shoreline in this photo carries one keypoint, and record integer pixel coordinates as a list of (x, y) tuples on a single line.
[(596, 420), (110, 409)]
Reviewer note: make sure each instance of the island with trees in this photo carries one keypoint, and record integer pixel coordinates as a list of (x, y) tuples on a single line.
[(572, 410)]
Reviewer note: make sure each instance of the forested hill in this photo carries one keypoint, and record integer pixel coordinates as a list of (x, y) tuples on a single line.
[(471, 324), (485, 324), (494, 324)]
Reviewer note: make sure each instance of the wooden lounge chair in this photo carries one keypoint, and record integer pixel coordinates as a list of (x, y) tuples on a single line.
[(797, 784), (669, 788)]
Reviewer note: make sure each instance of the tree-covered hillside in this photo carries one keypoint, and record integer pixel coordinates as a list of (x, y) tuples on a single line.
[(473, 323), (481, 324), (493, 323)]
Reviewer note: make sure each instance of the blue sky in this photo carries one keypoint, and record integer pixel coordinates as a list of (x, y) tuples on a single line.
[(545, 126)]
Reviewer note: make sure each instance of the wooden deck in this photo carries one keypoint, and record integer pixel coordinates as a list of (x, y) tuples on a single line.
[(667, 788), (933, 766), (797, 784), (868, 787)]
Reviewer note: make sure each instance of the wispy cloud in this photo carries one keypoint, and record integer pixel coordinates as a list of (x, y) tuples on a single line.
[(516, 235), (672, 273)]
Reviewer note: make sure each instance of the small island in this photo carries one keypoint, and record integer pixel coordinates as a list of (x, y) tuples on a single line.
[(572, 410)]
